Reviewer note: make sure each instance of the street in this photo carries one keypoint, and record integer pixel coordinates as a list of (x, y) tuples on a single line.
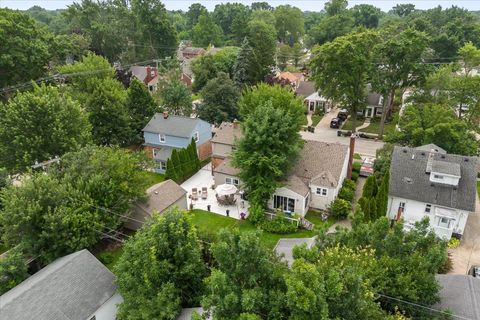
[(323, 132)]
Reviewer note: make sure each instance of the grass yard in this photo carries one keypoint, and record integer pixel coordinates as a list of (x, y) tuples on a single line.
[(152, 178), (316, 119), (212, 222), (110, 257), (478, 188)]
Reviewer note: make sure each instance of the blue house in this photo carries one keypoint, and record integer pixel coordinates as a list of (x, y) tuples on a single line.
[(163, 133)]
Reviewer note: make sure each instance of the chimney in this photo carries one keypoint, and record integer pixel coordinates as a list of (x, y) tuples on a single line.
[(350, 156), (235, 123), (430, 159), (165, 114)]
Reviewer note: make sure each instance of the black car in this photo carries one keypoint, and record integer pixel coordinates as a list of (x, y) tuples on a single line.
[(342, 114), (335, 123)]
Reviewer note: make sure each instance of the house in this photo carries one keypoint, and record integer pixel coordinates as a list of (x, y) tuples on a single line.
[(428, 182), (460, 294), (148, 75), (314, 181), (293, 77), (163, 133), (160, 198), (74, 287), (311, 98), (374, 107), (192, 52)]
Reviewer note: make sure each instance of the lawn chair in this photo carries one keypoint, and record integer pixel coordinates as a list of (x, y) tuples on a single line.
[(194, 194), (204, 193)]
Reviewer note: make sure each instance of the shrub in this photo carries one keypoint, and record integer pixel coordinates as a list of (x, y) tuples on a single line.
[(447, 266), (340, 208), (356, 167), (278, 225), (453, 243), (355, 175), (350, 184), (106, 257), (256, 213), (346, 194)]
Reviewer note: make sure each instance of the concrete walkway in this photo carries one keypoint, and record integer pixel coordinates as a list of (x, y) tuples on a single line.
[(309, 119), (364, 125)]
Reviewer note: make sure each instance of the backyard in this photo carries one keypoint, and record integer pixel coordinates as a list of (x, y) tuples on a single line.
[(151, 178)]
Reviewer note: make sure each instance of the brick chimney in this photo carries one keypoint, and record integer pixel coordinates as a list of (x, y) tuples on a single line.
[(165, 114), (350, 156)]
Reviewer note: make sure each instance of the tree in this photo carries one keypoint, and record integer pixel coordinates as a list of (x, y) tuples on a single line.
[(370, 188), (25, 49), (48, 218), (382, 196), (283, 55), (335, 7), (297, 54), (403, 9), (141, 107), (340, 208), (160, 269), (244, 67), (261, 38), (431, 123), (341, 70), (400, 58), (261, 6), (206, 32), (289, 24), (233, 19), (220, 97), (175, 97), (248, 279), (13, 270), (366, 15), (270, 142), (330, 28), (26, 137), (193, 14), (108, 113)]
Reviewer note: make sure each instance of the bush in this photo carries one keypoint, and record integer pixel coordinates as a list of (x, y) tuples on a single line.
[(356, 167), (447, 266), (346, 194), (256, 213), (350, 184), (340, 208), (355, 175), (106, 257), (453, 243), (278, 225)]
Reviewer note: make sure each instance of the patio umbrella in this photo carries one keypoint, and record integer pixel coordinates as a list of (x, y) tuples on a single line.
[(226, 189)]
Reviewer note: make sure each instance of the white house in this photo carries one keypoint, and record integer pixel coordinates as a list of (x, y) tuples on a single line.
[(311, 98), (374, 107), (76, 286), (428, 182)]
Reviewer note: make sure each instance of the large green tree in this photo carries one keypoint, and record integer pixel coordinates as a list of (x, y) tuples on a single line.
[(341, 70), (175, 97), (206, 32), (262, 39), (289, 24), (366, 15), (193, 14), (13, 270), (233, 19), (160, 269), (140, 107), (244, 67), (25, 50), (247, 279), (40, 124), (220, 97)]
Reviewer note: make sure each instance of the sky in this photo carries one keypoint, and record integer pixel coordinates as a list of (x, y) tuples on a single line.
[(304, 5)]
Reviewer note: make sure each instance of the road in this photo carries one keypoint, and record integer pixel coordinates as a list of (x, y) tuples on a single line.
[(323, 132)]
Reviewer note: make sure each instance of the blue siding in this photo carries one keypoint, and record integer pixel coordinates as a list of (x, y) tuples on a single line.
[(204, 130), (170, 141)]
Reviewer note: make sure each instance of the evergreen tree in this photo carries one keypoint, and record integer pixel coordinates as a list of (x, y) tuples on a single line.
[(170, 173), (177, 165), (370, 187), (141, 107), (244, 65), (184, 163), (195, 154), (372, 208), (382, 195)]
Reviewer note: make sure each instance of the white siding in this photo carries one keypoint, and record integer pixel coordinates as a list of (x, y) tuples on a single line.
[(299, 200), (108, 310), (219, 178), (220, 149), (415, 211)]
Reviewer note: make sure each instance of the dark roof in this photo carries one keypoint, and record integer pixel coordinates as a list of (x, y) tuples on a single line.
[(174, 125), (161, 196), (459, 294), (318, 158), (409, 180), (429, 147), (227, 168), (305, 88), (373, 99), (70, 288), (226, 133), (446, 167)]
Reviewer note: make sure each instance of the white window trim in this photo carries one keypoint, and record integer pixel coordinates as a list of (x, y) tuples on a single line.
[(163, 165), (323, 192), (162, 138), (428, 208), (196, 136), (233, 181)]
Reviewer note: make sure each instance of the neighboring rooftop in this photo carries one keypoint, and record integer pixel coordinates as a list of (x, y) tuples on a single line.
[(305, 88), (161, 196), (374, 99), (227, 168), (289, 76), (445, 167), (226, 133), (173, 125), (459, 294), (409, 179), (429, 147), (70, 288)]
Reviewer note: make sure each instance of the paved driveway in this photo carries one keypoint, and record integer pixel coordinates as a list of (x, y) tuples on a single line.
[(468, 253), (323, 132)]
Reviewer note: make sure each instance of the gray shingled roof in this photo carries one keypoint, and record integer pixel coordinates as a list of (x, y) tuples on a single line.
[(174, 125), (226, 133), (446, 167), (297, 185), (460, 294), (161, 196), (431, 146), (409, 180), (316, 158), (305, 88), (70, 288)]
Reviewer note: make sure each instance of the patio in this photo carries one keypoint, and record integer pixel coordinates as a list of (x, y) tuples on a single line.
[(204, 179)]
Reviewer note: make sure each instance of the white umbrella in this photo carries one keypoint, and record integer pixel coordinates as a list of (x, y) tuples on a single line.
[(226, 189)]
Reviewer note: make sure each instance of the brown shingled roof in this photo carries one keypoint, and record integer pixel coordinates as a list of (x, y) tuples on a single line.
[(227, 133), (161, 196)]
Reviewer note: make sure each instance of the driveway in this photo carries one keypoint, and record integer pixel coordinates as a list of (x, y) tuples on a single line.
[(323, 132), (468, 253)]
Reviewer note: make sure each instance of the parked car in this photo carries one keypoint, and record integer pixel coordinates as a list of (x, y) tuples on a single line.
[(367, 167), (335, 123), (342, 114), (474, 271)]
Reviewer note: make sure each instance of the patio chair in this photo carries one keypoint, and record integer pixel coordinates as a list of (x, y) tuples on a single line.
[(204, 193), (194, 194)]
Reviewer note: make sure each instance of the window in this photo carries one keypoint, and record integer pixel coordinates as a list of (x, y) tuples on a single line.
[(444, 222), (163, 165), (428, 208), (401, 205), (196, 136), (436, 176), (154, 151), (284, 203), (161, 137), (322, 191), (233, 181), (306, 201)]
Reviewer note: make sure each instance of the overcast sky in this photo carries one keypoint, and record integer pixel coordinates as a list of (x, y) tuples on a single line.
[(311, 5)]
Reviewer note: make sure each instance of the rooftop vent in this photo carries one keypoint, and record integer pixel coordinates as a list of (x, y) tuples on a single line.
[(442, 156), (466, 160), (407, 180), (404, 150), (423, 153)]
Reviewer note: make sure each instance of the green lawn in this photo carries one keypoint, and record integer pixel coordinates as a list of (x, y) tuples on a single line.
[(110, 257), (374, 126), (152, 178), (212, 222), (316, 119), (478, 188)]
